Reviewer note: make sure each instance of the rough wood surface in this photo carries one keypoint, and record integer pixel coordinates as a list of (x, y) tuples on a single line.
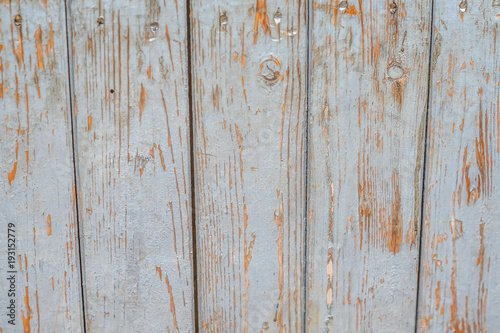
[(249, 81), (460, 262), (367, 118), (131, 100), (36, 163), (275, 253)]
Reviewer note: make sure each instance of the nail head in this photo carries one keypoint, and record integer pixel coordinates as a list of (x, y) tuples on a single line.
[(223, 18), (18, 20), (393, 7), (154, 27), (343, 6), (277, 17), (463, 6)]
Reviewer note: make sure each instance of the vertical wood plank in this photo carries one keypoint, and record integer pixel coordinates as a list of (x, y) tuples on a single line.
[(130, 93), (367, 122), (460, 262), (37, 179), (249, 81)]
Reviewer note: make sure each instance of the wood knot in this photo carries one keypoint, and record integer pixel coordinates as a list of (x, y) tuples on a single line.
[(395, 71), (270, 71)]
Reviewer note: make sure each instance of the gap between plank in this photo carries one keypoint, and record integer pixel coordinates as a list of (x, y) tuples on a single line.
[(309, 13), (424, 162), (75, 164), (192, 165)]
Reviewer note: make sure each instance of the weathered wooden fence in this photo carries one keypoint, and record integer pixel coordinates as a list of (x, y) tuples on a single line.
[(249, 166)]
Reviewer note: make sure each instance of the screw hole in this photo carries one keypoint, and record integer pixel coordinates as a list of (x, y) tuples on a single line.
[(112, 91)]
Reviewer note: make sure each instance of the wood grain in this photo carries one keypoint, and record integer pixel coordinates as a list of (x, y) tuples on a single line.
[(367, 121), (249, 81), (460, 263), (36, 166), (131, 98)]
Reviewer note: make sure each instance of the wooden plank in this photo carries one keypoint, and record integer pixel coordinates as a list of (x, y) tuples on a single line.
[(37, 180), (367, 121), (460, 263), (130, 92), (249, 80)]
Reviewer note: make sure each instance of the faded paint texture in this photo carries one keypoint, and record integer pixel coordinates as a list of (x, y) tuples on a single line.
[(369, 69), (36, 170), (249, 88), (459, 278), (313, 134), (132, 120)]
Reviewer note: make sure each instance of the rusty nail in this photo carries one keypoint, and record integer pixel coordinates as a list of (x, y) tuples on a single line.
[(100, 20)]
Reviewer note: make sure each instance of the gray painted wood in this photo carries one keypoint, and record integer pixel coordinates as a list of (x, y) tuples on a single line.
[(367, 121), (36, 167), (249, 81), (131, 97), (460, 261)]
